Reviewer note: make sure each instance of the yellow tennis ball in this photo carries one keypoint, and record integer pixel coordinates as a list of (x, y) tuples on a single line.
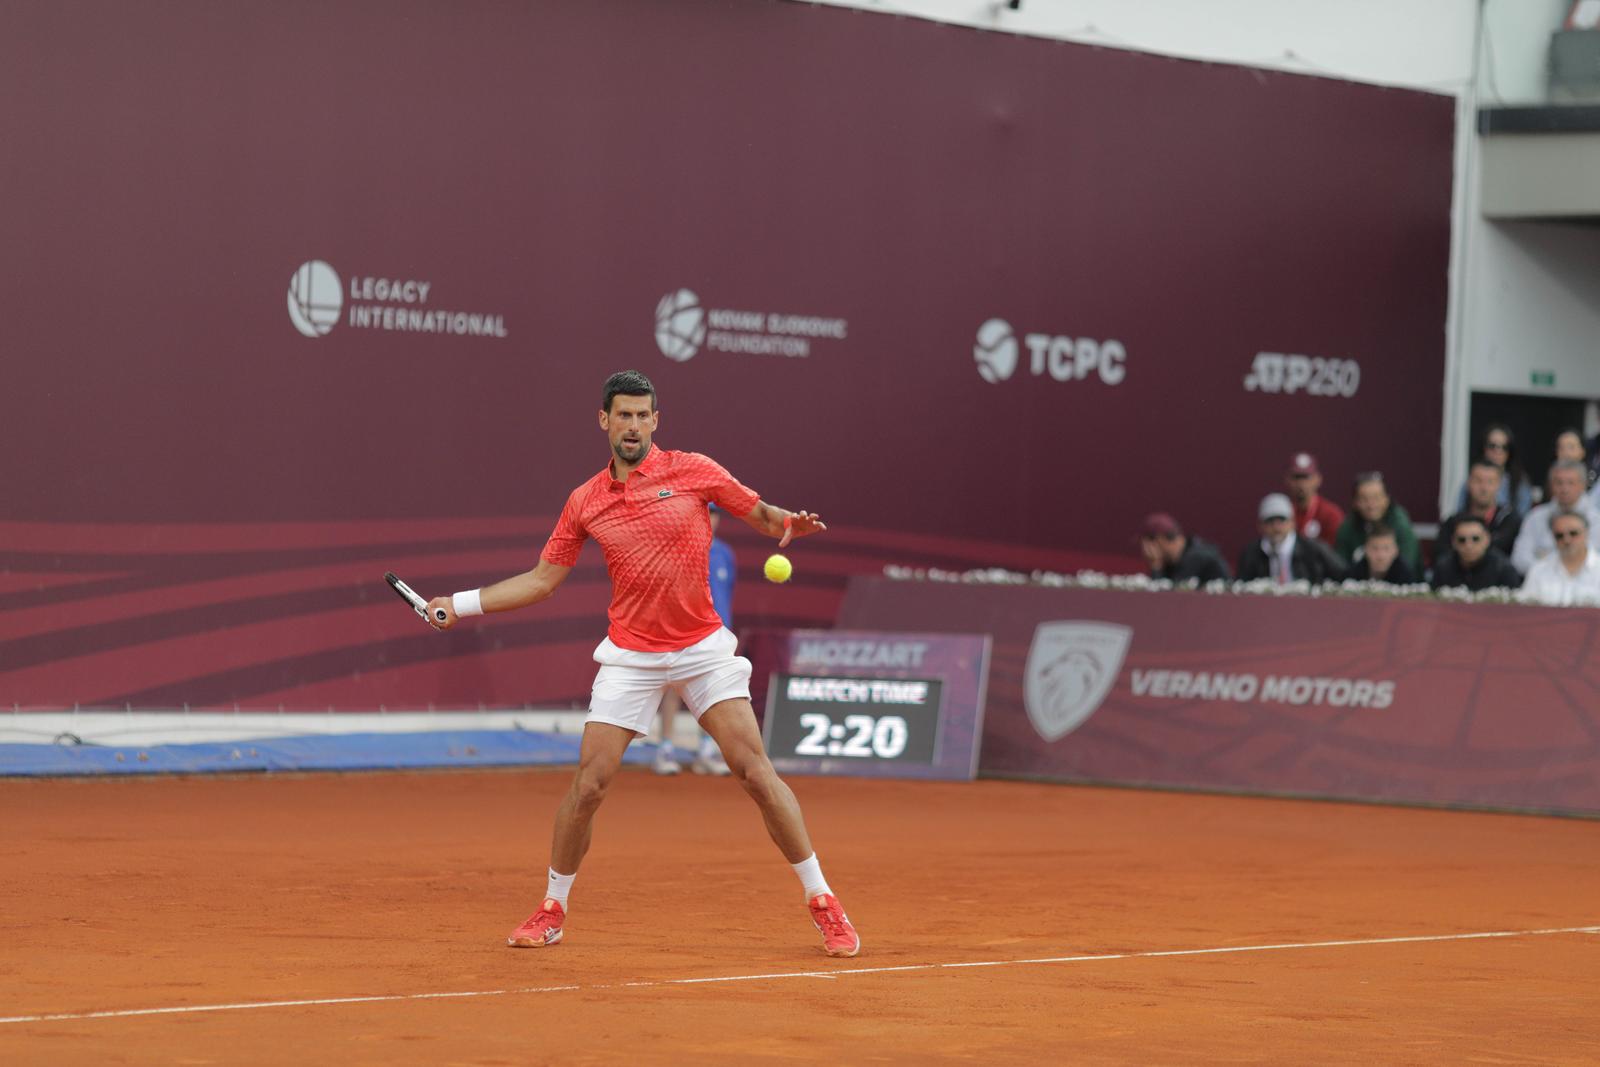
[(777, 568)]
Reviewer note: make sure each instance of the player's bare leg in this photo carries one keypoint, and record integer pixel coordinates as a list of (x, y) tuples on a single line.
[(599, 756), (732, 724)]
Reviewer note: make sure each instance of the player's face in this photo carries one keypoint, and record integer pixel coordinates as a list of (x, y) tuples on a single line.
[(1569, 446), (628, 425)]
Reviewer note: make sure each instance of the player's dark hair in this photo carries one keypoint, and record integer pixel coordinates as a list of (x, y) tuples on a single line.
[(1490, 465), (1472, 520), (1380, 529), (627, 383)]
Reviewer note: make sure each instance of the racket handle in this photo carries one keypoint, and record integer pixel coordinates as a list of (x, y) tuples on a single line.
[(440, 615)]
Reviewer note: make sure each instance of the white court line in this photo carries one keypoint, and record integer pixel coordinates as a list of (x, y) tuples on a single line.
[(69, 1016)]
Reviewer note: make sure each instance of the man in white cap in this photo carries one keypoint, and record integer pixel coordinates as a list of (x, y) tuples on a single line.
[(1283, 556)]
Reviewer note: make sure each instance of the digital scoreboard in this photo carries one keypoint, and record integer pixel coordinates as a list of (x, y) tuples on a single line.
[(876, 704), (854, 718)]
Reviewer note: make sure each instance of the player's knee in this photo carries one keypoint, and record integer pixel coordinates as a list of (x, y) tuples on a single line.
[(757, 777), (589, 788)]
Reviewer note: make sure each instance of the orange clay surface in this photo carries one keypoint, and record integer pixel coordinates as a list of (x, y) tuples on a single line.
[(171, 892)]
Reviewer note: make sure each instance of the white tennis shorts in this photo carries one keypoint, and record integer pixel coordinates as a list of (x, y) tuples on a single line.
[(629, 685)]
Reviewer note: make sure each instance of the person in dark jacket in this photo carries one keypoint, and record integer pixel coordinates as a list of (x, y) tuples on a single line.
[(1283, 556), (1173, 555), (1483, 492), (1381, 561), (1474, 563)]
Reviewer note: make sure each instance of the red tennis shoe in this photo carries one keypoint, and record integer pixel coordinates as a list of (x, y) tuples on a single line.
[(542, 929), (839, 938)]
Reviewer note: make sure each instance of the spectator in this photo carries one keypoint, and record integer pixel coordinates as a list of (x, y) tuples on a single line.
[(1500, 448), (1282, 555), (1474, 562), (1372, 506), (1534, 540), (1569, 576), (1569, 449), (1176, 557), (1315, 516), (1483, 494), (1592, 464), (1381, 561)]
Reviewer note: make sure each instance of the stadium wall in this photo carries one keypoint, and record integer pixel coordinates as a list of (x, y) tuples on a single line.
[(1359, 698), (299, 294)]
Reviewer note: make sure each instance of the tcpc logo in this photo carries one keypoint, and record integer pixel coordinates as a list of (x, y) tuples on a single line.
[(1063, 358)]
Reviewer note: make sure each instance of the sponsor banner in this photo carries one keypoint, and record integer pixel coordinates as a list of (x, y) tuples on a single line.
[(948, 321), (684, 327), (1370, 699), (870, 704), (317, 297)]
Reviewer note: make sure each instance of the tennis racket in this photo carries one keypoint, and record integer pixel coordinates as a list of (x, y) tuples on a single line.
[(409, 595)]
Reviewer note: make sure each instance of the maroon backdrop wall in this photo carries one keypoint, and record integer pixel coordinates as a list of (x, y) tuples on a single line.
[(1459, 704), (243, 242)]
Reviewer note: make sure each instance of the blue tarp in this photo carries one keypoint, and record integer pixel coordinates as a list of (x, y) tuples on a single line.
[(339, 752)]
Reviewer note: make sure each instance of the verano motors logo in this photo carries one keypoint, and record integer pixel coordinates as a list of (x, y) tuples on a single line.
[(315, 298), (1063, 358)]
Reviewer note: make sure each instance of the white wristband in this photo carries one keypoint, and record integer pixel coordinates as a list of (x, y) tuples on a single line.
[(467, 603)]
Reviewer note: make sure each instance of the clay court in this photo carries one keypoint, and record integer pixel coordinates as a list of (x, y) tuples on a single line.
[(360, 919)]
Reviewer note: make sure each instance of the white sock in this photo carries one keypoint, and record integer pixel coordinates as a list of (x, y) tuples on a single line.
[(810, 874), (559, 886)]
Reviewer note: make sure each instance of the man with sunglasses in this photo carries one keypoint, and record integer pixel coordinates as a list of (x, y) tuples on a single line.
[(1569, 577), (1472, 561), (1483, 502), (1568, 479)]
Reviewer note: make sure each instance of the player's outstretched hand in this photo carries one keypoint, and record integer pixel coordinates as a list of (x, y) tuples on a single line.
[(800, 523), (438, 604)]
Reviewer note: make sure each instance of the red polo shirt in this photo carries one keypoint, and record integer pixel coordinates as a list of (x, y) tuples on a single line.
[(656, 536), (1320, 521)]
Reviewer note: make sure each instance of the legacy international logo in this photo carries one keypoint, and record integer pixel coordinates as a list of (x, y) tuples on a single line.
[(377, 302), (314, 298), (1058, 356), (684, 326)]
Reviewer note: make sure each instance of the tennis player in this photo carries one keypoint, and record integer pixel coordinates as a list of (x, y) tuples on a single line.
[(647, 510)]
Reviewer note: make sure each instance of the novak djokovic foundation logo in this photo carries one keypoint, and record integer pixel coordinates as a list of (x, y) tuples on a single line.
[(377, 302), (684, 326), (1074, 665), (1063, 358)]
